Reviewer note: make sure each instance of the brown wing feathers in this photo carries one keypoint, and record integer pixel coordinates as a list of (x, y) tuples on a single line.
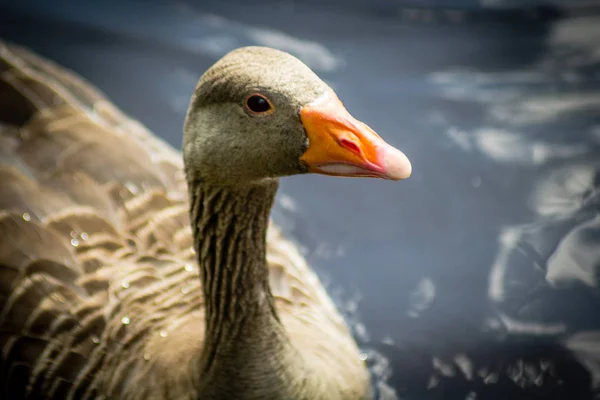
[(89, 204)]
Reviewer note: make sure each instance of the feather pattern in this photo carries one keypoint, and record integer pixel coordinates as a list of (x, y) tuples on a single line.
[(100, 295)]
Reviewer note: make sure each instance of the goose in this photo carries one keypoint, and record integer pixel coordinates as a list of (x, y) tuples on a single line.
[(126, 273)]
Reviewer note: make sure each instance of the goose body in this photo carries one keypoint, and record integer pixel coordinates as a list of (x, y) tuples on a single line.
[(106, 292)]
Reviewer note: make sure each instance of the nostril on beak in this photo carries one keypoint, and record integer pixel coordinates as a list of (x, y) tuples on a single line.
[(350, 145)]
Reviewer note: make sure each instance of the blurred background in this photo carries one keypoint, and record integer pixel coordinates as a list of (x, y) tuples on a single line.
[(478, 277)]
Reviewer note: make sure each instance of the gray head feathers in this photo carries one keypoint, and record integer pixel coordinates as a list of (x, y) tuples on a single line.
[(249, 69), (225, 143)]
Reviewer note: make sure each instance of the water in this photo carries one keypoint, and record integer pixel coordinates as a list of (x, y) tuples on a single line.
[(478, 271)]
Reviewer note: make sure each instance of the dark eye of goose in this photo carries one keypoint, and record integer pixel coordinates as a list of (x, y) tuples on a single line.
[(258, 104)]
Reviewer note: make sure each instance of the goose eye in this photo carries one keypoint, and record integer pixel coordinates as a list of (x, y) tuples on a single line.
[(258, 104)]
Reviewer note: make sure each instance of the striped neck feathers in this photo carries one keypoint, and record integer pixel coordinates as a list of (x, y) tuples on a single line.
[(246, 353)]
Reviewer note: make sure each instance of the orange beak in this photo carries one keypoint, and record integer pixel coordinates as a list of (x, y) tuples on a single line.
[(340, 145)]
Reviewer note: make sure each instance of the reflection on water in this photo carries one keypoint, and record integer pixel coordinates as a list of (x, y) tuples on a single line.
[(543, 282)]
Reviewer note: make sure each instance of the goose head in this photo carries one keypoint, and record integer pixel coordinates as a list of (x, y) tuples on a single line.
[(260, 113)]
